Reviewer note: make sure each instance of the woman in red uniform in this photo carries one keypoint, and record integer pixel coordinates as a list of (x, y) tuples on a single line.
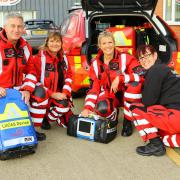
[(157, 118), (51, 100), (112, 75)]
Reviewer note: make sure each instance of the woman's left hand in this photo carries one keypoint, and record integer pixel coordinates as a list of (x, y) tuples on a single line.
[(114, 85)]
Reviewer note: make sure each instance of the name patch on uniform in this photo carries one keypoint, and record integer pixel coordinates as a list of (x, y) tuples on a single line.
[(139, 70), (114, 66), (21, 53), (9, 52), (50, 67)]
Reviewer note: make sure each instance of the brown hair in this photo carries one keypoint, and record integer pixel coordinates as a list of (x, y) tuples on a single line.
[(142, 49), (55, 35)]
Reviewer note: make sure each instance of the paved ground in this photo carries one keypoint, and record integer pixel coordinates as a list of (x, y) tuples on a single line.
[(62, 157)]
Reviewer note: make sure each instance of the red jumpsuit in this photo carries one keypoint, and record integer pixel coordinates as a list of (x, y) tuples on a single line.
[(159, 113), (16, 65), (54, 75), (102, 76)]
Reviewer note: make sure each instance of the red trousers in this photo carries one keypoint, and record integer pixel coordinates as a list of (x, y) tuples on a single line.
[(158, 121)]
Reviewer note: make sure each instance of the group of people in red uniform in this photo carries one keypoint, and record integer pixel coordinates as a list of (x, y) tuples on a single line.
[(44, 80), (116, 79)]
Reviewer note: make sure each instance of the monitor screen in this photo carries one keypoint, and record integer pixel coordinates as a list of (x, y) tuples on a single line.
[(84, 126)]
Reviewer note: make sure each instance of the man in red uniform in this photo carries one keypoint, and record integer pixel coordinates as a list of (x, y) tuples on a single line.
[(16, 67), (157, 118)]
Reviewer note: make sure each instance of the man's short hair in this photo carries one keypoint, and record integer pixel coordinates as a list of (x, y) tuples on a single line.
[(13, 15)]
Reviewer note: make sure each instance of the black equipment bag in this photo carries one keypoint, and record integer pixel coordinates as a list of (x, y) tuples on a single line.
[(94, 129)]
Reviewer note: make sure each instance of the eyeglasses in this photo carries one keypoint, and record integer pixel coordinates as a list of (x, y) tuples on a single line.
[(145, 56)]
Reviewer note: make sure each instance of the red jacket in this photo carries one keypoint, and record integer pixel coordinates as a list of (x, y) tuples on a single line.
[(49, 74), (15, 62), (102, 75)]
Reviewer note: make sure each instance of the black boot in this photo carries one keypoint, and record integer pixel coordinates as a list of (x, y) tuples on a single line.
[(154, 147), (127, 128), (40, 136), (45, 124)]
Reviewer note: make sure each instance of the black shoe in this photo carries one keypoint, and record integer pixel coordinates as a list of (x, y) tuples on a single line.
[(156, 149), (45, 124), (40, 136), (127, 128)]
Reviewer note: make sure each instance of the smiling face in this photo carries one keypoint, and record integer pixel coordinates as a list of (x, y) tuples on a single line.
[(147, 58), (14, 28), (107, 45), (54, 44)]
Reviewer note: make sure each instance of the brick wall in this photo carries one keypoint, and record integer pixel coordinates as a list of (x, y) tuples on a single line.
[(159, 11)]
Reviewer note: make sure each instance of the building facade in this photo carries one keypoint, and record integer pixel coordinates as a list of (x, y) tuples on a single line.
[(39, 9), (169, 10)]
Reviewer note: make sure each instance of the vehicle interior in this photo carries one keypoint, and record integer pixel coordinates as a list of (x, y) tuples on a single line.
[(142, 32)]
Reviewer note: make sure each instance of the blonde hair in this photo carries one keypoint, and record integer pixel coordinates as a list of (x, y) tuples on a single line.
[(55, 35), (105, 34)]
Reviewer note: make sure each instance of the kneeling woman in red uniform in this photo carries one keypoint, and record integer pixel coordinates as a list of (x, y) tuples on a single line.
[(51, 99), (157, 118), (112, 75)]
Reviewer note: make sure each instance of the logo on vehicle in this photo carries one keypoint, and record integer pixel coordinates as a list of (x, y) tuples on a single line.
[(9, 2)]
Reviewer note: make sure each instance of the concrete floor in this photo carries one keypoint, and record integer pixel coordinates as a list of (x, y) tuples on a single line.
[(62, 157)]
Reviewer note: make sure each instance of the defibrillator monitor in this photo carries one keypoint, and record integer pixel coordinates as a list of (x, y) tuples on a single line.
[(86, 128)]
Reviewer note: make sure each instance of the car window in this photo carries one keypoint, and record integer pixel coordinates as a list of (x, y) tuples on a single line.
[(39, 24), (69, 25)]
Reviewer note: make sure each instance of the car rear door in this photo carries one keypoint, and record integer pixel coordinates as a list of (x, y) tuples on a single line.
[(130, 5)]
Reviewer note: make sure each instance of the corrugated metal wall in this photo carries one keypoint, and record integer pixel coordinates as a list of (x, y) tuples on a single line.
[(50, 9)]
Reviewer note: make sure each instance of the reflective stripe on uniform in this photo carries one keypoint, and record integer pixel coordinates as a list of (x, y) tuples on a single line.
[(126, 78), (37, 120), (141, 122), (148, 131), (132, 96), (40, 104), (95, 68), (165, 141), (31, 77), (37, 111), (136, 77), (43, 65), (68, 80), (123, 61), (127, 113), (91, 96), (173, 138), (89, 103), (26, 52), (30, 84), (66, 61), (67, 88)]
